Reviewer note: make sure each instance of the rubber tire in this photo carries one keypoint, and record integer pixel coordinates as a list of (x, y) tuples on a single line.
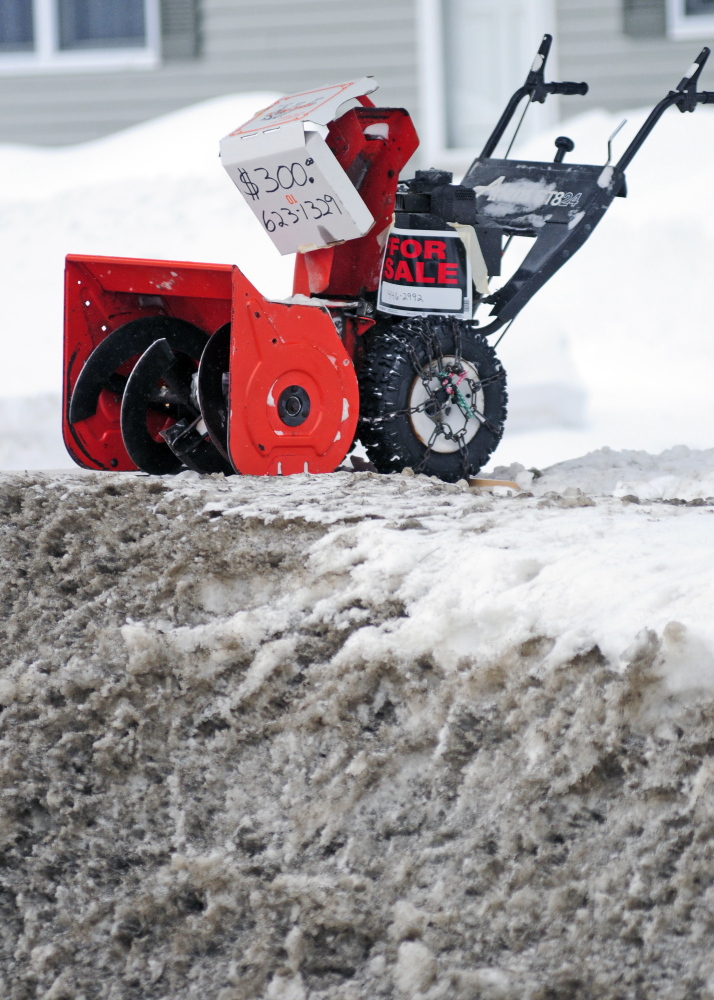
[(386, 378)]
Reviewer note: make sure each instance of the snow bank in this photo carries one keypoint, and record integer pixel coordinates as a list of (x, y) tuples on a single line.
[(353, 736), (31, 433), (676, 474), (614, 351)]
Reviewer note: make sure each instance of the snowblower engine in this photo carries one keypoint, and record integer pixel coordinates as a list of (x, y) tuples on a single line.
[(177, 365)]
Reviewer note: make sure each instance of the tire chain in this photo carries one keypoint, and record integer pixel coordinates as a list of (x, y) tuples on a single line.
[(432, 348)]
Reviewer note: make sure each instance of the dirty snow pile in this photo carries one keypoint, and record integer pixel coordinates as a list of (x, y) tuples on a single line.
[(356, 736), (680, 473), (615, 350)]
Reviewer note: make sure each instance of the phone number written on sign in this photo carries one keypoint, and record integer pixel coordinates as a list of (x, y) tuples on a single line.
[(289, 178)]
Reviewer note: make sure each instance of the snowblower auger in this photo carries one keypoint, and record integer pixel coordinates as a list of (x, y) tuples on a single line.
[(115, 310), (147, 388), (172, 365)]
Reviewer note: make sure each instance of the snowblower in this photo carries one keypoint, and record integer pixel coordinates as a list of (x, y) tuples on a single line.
[(173, 365)]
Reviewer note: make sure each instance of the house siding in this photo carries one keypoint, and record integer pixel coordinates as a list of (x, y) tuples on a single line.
[(287, 45), (244, 45), (623, 71)]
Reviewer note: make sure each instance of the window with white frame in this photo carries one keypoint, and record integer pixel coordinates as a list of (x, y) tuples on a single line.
[(76, 34), (690, 18), (16, 27), (474, 55)]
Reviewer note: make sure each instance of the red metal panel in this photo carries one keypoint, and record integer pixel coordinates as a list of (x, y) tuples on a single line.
[(103, 293), (275, 345), (160, 277), (373, 165)]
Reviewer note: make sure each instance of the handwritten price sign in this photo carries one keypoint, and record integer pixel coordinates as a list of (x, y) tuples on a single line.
[(289, 178), (295, 187)]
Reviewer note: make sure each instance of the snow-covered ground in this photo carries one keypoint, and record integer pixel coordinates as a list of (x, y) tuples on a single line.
[(616, 351), (355, 736)]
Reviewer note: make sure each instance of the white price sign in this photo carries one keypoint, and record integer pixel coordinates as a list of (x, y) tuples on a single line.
[(294, 185)]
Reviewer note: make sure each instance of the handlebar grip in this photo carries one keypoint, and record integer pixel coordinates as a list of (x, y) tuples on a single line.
[(570, 89), (705, 97)]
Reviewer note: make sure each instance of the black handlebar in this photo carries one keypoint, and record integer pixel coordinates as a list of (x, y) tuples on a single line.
[(568, 89), (536, 90), (686, 97)]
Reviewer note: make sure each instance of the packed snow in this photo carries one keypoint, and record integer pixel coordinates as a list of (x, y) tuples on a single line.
[(353, 736)]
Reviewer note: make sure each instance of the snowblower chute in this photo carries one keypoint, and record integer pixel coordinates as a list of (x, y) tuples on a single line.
[(171, 365)]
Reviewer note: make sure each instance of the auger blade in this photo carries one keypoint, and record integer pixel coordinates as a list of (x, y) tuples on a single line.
[(124, 343), (213, 388), (142, 393), (189, 441), (161, 383)]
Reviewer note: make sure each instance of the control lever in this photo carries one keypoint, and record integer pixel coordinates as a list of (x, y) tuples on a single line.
[(564, 145), (536, 90)]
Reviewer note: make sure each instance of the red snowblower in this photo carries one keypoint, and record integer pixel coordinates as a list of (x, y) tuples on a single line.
[(173, 365)]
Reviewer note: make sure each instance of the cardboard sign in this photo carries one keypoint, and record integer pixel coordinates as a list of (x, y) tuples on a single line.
[(318, 105), (425, 272), (294, 185)]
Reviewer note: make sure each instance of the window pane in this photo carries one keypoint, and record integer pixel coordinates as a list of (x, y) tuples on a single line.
[(645, 18), (179, 29), (95, 24), (16, 25), (699, 7)]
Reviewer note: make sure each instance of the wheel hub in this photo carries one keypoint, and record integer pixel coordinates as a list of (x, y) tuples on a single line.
[(294, 406), (445, 400)]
